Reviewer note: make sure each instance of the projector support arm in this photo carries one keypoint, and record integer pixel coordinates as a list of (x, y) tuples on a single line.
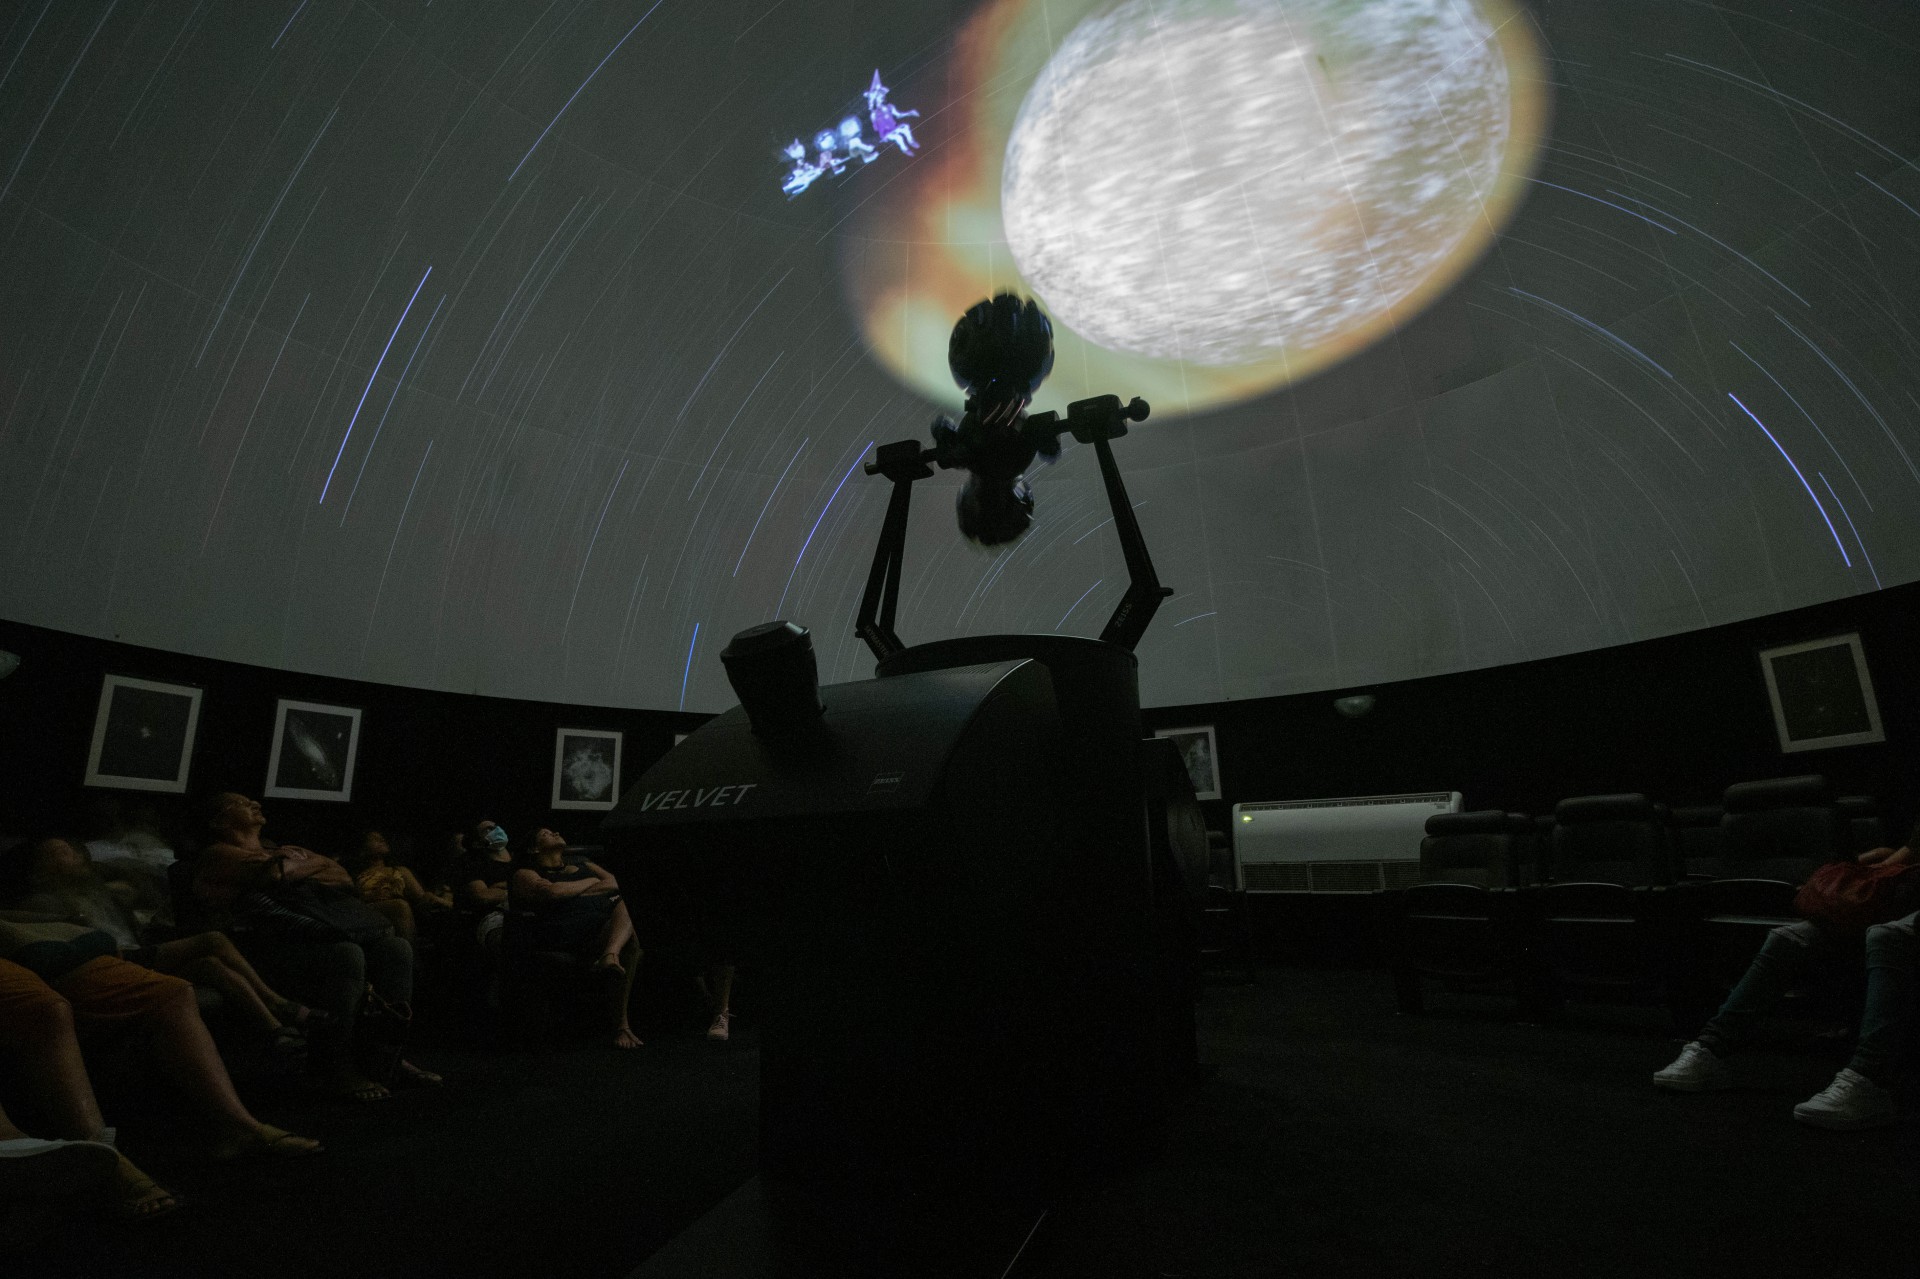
[(1144, 592), (1098, 422), (903, 463)]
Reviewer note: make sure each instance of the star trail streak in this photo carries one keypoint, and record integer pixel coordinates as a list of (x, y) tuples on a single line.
[(638, 358)]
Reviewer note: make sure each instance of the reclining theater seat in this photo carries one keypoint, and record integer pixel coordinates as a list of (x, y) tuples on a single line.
[(1696, 841), (1773, 835), (1862, 827), (1458, 924), (1603, 921)]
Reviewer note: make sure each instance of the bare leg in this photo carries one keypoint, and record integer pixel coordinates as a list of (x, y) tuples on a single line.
[(398, 913), (48, 1057), (622, 993), (720, 985), (211, 972), (8, 1130), (266, 1005), (619, 933)]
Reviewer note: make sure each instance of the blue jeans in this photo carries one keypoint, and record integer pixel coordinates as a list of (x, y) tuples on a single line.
[(1789, 951)]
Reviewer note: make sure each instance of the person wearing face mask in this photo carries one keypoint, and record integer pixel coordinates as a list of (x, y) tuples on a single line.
[(479, 880)]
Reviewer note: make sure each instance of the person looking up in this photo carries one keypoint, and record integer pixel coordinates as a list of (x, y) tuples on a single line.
[(574, 906), (55, 879), (390, 888)]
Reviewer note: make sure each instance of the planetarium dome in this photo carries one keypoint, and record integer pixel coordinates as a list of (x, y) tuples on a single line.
[(535, 351)]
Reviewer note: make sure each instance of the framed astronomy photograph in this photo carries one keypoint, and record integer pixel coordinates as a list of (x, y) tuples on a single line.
[(1203, 762), (314, 748), (1822, 694), (586, 768), (143, 735)]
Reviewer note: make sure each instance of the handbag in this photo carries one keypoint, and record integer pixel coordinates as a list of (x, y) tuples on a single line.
[(335, 908), (1850, 895)]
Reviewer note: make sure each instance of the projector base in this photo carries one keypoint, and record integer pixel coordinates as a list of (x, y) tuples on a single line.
[(778, 1230)]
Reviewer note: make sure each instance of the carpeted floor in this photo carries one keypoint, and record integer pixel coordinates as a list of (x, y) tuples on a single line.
[(1333, 1138)]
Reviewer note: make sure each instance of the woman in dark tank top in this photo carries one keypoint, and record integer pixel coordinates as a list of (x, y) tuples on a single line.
[(575, 907)]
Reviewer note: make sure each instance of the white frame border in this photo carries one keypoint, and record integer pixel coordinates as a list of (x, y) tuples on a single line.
[(1875, 731), (560, 736), (1213, 749), (342, 796), (177, 786)]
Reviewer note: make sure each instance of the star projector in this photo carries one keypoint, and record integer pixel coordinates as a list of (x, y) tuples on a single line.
[(982, 840)]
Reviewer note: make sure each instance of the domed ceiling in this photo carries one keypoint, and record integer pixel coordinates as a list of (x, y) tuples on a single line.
[(533, 349)]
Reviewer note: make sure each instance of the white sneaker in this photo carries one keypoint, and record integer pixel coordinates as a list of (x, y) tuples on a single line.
[(1850, 1101), (1696, 1069), (719, 1028)]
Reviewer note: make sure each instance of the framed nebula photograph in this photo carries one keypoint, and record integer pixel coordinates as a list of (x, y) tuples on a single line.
[(314, 749), (586, 768), (1203, 760), (1822, 694), (143, 735)]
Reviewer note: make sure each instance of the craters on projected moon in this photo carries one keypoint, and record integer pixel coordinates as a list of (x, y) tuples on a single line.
[(1211, 197)]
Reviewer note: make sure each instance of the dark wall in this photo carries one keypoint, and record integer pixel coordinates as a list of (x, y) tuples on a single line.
[(428, 762), (1677, 718)]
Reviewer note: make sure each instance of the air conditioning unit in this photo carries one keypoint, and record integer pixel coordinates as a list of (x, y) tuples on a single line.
[(1354, 845)]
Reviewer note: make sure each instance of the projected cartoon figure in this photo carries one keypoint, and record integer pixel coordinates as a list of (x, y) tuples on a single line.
[(829, 160), (855, 144), (803, 173), (888, 120)]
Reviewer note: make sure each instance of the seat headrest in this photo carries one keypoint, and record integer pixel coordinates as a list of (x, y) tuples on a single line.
[(1604, 808), (1780, 792), (1697, 815), (1489, 821)]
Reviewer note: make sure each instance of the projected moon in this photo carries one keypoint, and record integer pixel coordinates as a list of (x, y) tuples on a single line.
[(1226, 194)]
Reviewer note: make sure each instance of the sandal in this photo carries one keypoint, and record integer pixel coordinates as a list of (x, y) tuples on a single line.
[(140, 1198), (268, 1142), (358, 1090), (288, 1041), (412, 1075)]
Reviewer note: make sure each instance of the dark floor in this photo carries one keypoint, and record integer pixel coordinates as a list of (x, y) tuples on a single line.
[(1333, 1139)]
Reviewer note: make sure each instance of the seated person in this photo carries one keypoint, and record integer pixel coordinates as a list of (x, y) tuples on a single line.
[(54, 879), (575, 907), (479, 881), (391, 888), (1858, 1097), (129, 849), (299, 918), (61, 987)]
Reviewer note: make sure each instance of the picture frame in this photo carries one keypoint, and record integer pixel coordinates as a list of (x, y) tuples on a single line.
[(1821, 693), (315, 749), (586, 768), (143, 735), (1202, 757)]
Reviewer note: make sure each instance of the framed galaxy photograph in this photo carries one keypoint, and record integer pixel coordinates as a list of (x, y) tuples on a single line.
[(143, 735), (1203, 761), (1822, 694), (314, 748), (586, 768)]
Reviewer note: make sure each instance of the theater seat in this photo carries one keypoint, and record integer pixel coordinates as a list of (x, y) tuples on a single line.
[(1458, 925), (1861, 825), (1773, 835), (1695, 832), (1604, 923)]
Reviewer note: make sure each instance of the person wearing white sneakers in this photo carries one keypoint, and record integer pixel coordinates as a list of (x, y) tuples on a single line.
[(1858, 1097)]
